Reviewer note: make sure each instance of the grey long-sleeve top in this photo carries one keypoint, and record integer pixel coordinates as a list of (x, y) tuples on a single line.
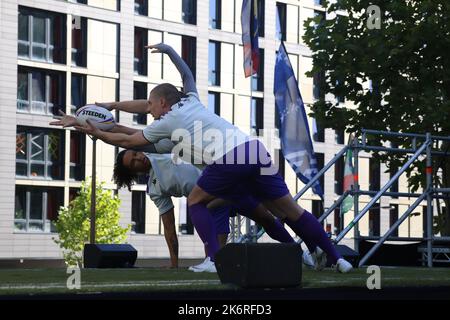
[(186, 74)]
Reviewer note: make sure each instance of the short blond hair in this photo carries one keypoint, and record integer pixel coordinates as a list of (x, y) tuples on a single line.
[(169, 92)]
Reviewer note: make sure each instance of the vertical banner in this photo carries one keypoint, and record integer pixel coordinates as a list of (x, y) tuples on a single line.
[(295, 137), (249, 22)]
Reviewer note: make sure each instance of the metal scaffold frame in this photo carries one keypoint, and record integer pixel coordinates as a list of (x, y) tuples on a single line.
[(421, 145)]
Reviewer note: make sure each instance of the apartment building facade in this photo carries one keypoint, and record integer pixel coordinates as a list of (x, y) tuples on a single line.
[(60, 55)]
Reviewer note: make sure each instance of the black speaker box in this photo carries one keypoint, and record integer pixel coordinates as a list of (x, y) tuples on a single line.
[(392, 254), (260, 265), (109, 256)]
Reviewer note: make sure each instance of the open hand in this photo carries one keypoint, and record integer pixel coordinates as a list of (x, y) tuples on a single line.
[(64, 120), (159, 48), (88, 128)]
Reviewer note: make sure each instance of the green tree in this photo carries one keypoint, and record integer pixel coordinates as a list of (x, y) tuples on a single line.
[(73, 224), (407, 62)]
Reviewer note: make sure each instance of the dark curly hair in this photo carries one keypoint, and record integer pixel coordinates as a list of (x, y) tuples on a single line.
[(122, 175)]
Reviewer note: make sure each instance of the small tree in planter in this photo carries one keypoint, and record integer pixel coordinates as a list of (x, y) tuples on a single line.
[(73, 224)]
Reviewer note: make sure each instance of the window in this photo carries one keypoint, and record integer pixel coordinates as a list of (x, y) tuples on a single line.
[(394, 186), (138, 211), (338, 221), (318, 82), (79, 41), (374, 222), (393, 217), (257, 115), (189, 53), (214, 102), (39, 153), (141, 7), (140, 53), (24, 35), (338, 90), (77, 155), (41, 35), (317, 208), (105, 4), (339, 176), (77, 92), (425, 220), (140, 92), (40, 91), (189, 14), (318, 132), (73, 193), (320, 157), (260, 4), (318, 2), (374, 88), (281, 7), (340, 136), (321, 15), (374, 175), (215, 14), (258, 78), (340, 99), (214, 63), (36, 208)]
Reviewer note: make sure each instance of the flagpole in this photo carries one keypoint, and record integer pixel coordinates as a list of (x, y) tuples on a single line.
[(93, 191), (248, 221), (252, 7), (356, 193), (249, 33)]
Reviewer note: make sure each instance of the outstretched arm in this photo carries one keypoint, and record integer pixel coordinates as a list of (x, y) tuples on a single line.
[(65, 121), (127, 141), (162, 146), (186, 74), (131, 106), (122, 129)]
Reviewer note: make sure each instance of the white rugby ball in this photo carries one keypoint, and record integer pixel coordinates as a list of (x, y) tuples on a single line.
[(98, 116)]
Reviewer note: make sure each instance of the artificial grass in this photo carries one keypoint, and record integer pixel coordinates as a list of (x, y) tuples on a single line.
[(53, 281)]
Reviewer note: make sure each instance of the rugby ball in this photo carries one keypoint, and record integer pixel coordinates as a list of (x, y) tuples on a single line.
[(98, 116)]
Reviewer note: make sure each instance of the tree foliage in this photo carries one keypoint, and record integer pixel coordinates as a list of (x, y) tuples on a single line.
[(407, 63), (73, 224)]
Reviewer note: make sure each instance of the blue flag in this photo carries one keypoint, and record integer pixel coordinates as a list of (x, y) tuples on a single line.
[(296, 143)]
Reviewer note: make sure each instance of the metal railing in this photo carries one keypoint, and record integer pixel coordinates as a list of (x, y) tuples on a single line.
[(421, 145)]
